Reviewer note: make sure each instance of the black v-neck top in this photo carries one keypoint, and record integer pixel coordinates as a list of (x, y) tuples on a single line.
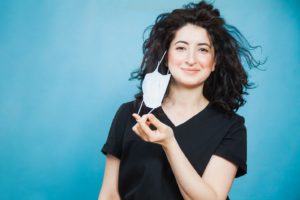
[(145, 173)]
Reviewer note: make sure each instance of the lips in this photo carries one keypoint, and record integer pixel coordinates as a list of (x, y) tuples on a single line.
[(190, 70)]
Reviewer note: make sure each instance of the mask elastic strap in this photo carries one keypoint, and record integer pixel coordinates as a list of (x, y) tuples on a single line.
[(155, 70), (158, 64), (141, 107), (162, 60), (150, 111)]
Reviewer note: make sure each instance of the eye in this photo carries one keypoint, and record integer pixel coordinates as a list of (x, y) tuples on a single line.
[(180, 48), (203, 50)]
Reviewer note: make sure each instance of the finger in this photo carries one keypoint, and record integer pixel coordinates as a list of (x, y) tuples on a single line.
[(148, 123), (135, 129), (139, 132), (145, 128), (151, 135), (136, 116), (144, 118), (142, 134), (153, 120)]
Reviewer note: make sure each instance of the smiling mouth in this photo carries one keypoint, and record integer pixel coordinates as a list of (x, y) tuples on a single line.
[(190, 71), (187, 69)]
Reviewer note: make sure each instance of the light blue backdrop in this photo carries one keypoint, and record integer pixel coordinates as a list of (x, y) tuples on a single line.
[(64, 68)]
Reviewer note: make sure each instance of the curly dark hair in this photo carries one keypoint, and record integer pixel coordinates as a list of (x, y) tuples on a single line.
[(227, 85)]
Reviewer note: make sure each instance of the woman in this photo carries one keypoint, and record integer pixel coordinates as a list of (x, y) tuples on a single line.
[(194, 144)]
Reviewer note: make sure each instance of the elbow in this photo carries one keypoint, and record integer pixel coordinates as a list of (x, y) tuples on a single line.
[(217, 196), (213, 195), (109, 196)]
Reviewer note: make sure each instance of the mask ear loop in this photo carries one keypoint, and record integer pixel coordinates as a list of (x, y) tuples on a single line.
[(141, 107), (158, 64)]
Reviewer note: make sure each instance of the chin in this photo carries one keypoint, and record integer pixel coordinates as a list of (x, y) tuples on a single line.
[(188, 82), (191, 84)]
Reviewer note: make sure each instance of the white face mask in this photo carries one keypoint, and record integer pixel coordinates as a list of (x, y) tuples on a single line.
[(154, 87)]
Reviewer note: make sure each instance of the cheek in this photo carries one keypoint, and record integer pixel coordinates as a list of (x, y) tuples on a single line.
[(174, 60), (208, 63)]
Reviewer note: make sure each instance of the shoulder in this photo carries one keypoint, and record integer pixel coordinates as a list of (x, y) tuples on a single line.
[(238, 125), (127, 106), (122, 115), (125, 109), (226, 119), (230, 117), (237, 119)]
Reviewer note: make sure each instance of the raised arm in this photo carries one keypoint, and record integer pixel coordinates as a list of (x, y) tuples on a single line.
[(218, 175)]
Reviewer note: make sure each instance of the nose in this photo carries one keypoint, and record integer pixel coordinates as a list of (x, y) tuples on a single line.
[(191, 60)]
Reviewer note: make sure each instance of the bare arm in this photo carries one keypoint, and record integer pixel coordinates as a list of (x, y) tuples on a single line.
[(218, 175), (109, 189), (215, 182)]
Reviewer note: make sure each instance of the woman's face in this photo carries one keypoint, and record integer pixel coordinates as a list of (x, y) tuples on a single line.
[(191, 56)]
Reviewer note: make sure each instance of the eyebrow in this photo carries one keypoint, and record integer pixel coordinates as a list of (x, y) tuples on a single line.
[(199, 44)]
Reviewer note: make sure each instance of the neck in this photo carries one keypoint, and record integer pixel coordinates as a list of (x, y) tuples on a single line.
[(185, 97)]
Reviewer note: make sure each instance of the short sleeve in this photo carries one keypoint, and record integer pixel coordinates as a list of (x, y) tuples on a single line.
[(113, 144), (233, 147)]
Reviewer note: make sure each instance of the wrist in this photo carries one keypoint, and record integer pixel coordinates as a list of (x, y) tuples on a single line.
[(169, 144)]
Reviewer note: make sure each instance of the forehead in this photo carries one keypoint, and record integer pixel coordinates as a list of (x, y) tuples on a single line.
[(191, 34)]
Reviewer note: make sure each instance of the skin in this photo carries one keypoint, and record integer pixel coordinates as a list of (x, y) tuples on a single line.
[(191, 61), (190, 57)]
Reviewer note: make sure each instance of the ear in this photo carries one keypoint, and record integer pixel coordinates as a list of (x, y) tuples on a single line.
[(166, 62), (214, 67), (214, 64)]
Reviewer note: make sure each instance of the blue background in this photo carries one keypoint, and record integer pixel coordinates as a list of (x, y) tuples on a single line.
[(64, 68)]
